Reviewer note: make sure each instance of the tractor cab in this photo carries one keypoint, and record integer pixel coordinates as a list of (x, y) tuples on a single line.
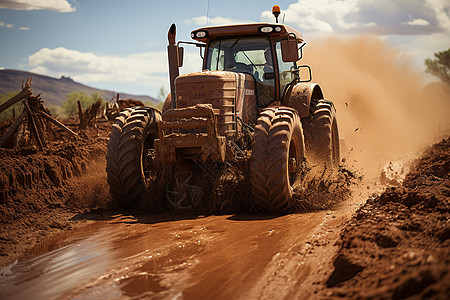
[(266, 51)]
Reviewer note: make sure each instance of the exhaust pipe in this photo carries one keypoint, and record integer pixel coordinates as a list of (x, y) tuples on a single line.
[(172, 53)]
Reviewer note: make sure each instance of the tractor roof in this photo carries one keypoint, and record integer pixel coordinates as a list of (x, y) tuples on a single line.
[(272, 29)]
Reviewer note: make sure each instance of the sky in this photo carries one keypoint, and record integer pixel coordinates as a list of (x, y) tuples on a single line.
[(121, 45)]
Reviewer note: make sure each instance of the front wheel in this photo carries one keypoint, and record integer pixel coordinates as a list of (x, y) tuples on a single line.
[(129, 154), (278, 152)]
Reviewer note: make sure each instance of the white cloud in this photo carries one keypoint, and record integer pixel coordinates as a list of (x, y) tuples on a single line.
[(140, 69), (201, 21), (417, 22), (442, 11), (55, 5), (12, 26), (88, 67), (9, 26), (382, 17), (321, 15)]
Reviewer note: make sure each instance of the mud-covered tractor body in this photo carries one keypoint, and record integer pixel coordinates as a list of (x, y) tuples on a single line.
[(211, 110), (249, 99)]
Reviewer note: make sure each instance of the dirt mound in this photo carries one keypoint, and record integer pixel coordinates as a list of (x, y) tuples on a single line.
[(397, 245), (41, 190)]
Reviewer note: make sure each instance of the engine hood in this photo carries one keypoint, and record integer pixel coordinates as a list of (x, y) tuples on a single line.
[(229, 92)]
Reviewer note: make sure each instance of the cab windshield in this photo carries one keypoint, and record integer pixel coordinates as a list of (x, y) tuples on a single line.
[(251, 55)]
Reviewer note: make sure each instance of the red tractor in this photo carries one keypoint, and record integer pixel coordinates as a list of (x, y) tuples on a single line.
[(248, 98)]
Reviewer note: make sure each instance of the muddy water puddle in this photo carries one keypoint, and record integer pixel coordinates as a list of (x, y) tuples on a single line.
[(160, 257)]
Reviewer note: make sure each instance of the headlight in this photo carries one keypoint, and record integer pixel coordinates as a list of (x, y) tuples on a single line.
[(266, 29), (270, 29), (199, 34)]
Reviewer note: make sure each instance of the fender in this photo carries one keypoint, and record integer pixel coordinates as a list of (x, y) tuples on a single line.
[(300, 97)]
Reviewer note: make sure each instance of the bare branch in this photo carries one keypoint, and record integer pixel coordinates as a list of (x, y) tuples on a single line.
[(26, 91), (59, 124), (34, 127), (12, 130)]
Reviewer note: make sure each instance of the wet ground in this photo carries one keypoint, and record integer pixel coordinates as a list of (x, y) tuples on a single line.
[(168, 256)]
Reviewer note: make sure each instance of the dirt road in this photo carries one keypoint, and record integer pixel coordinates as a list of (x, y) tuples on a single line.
[(168, 256)]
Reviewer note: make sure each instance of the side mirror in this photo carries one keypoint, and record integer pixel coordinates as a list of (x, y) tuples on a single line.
[(289, 50), (180, 56), (304, 73)]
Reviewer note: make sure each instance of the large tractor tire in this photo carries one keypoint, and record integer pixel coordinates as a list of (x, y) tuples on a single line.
[(278, 152), (127, 160), (322, 134)]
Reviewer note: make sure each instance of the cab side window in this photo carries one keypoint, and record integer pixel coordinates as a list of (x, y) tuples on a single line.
[(216, 56), (285, 68)]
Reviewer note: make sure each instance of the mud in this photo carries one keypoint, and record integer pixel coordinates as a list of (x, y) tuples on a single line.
[(206, 189), (168, 256), (42, 191), (394, 246), (397, 245)]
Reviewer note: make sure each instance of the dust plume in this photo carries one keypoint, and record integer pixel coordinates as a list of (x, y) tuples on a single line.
[(386, 112)]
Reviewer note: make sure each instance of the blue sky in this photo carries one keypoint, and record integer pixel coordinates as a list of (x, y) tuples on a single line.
[(120, 45)]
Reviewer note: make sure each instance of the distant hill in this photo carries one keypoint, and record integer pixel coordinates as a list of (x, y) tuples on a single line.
[(54, 91)]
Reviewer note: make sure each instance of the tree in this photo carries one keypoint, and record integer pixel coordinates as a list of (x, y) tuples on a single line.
[(440, 67), (162, 94), (70, 106)]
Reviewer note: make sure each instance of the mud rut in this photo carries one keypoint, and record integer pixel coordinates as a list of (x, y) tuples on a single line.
[(167, 256)]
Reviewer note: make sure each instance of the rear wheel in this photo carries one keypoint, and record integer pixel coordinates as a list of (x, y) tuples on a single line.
[(129, 158), (324, 135), (278, 151)]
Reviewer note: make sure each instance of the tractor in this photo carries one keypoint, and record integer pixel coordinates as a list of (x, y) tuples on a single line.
[(249, 97)]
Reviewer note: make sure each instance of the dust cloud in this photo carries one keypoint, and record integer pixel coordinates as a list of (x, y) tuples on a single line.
[(386, 110)]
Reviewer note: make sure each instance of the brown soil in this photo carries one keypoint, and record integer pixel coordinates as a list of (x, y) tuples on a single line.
[(395, 246), (41, 191)]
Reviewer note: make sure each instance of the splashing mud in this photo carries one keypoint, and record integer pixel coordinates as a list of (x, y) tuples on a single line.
[(228, 190), (385, 109), (321, 189)]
